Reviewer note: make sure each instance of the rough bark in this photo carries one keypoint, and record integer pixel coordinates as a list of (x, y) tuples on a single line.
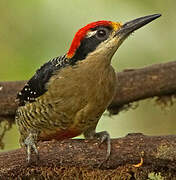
[(81, 159), (156, 80)]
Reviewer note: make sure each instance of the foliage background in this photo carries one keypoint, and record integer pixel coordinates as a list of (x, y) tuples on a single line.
[(32, 32)]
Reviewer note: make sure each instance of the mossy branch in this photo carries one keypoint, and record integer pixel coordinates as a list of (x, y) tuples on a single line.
[(133, 157)]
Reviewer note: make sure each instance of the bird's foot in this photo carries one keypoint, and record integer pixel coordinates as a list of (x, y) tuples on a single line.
[(31, 145), (104, 137)]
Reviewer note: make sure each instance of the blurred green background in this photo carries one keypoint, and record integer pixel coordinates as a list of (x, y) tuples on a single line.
[(32, 32)]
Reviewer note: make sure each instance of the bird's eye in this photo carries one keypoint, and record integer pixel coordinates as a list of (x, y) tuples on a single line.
[(102, 33)]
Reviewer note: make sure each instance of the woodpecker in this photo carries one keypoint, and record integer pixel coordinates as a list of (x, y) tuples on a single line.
[(68, 94)]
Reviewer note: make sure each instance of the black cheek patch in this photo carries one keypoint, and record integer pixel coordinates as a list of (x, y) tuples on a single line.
[(87, 46)]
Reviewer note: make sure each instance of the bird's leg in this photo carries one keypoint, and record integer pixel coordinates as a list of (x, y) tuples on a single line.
[(30, 143), (105, 137), (102, 136)]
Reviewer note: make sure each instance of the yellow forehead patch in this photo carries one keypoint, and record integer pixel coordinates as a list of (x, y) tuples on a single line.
[(116, 25)]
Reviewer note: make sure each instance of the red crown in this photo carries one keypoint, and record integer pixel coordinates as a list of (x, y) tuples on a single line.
[(81, 33)]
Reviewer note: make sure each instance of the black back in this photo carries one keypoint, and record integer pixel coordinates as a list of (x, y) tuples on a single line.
[(36, 86)]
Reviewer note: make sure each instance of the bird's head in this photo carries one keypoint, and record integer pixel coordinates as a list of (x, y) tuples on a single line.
[(104, 37)]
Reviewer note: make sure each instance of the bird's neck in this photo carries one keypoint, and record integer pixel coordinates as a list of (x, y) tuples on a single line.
[(99, 61)]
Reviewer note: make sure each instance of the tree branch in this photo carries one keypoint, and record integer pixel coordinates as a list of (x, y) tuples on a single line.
[(81, 158), (137, 84), (132, 85), (8, 92)]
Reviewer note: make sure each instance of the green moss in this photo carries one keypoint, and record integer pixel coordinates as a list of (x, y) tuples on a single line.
[(155, 176)]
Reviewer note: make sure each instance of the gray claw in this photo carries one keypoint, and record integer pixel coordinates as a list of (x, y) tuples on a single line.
[(104, 136), (30, 144)]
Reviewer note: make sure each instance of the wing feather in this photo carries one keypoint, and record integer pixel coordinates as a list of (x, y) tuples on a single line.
[(36, 86)]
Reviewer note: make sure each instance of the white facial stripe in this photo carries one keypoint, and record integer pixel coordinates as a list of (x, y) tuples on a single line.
[(91, 33)]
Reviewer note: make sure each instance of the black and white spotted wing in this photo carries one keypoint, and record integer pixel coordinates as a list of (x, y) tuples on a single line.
[(35, 87)]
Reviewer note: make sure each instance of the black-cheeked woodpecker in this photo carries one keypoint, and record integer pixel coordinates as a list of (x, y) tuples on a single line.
[(67, 95)]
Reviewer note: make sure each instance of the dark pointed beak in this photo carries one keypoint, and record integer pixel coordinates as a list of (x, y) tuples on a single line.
[(135, 24)]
